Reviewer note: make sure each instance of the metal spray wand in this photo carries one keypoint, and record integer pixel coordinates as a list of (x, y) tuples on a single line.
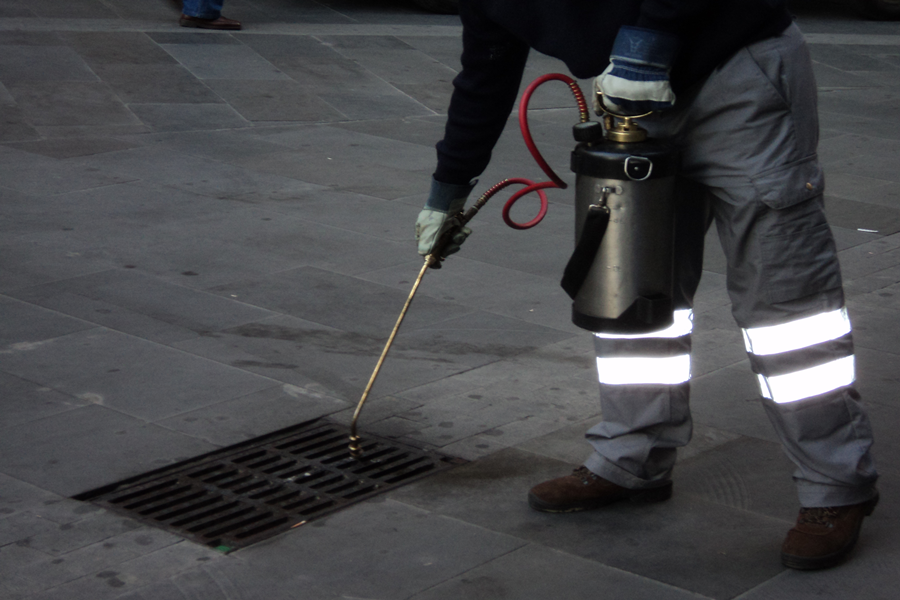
[(433, 261)]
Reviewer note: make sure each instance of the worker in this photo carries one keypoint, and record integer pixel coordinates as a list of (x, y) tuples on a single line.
[(732, 84)]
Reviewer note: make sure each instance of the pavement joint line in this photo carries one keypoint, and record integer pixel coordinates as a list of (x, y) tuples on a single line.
[(300, 29), (355, 29)]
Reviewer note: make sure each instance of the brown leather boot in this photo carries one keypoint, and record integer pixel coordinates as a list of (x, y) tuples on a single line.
[(824, 536), (585, 490)]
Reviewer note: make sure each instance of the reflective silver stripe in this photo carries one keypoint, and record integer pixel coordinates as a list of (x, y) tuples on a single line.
[(669, 370), (807, 383), (798, 334), (682, 325)]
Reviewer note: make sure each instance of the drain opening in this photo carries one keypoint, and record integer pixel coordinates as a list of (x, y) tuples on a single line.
[(237, 496)]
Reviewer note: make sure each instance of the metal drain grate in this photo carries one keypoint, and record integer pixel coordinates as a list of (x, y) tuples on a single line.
[(240, 495)]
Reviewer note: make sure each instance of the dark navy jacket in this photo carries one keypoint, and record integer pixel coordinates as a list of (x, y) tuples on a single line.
[(497, 36)]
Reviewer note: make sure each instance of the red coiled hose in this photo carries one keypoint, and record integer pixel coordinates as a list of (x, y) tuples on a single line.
[(555, 181)]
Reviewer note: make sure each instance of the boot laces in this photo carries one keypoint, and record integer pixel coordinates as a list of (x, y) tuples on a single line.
[(585, 474), (820, 515)]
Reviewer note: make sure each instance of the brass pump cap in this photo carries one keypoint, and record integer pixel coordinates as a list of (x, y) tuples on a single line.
[(623, 130), (620, 128)]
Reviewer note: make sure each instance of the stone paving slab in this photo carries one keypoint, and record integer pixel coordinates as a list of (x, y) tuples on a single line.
[(728, 559), (81, 449), (206, 237), (419, 549), (536, 572), (25, 172), (132, 302)]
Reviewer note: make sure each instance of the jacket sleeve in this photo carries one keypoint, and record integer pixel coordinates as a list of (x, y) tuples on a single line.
[(484, 94), (672, 16)]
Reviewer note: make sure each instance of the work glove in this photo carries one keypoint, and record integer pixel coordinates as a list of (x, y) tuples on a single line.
[(637, 78), (445, 201)]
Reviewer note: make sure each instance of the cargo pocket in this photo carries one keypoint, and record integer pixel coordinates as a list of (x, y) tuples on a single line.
[(799, 257), (790, 184)]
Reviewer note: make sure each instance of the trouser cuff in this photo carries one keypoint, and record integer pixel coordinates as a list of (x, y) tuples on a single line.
[(619, 476), (815, 494)]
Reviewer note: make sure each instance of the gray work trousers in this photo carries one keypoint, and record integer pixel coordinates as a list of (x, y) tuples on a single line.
[(748, 136)]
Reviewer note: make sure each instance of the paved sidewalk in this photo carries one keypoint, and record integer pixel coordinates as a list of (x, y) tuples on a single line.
[(206, 237)]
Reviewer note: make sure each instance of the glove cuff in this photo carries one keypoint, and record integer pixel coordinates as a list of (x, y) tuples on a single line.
[(448, 197), (645, 46)]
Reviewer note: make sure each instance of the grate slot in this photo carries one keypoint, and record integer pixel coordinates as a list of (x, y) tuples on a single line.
[(369, 457), (258, 465), (157, 496), (143, 492), (410, 474), (280, 467), (361, 492), (387, 465), (320, 484), (188, 509), (222, 519), (267, 492), (273, 524), (203, 472), (344, 457), (221, 476), (339, 490), (337, 451), (393, 468), (308, 452), (248, 457), (235, 497), (236, 482), (238, 525), (305, 444), (242, 491), (208, 513), (302, 439), (181, 500), (303, 475), (285, 498), (311, 445), (380, 464), (317, 508), (299, 503)]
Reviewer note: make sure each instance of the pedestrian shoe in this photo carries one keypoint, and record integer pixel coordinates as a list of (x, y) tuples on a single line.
[(824, 536), (585, 490), (220, 23)]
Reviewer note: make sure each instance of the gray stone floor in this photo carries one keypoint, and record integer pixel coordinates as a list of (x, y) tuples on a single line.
[(205, 237)]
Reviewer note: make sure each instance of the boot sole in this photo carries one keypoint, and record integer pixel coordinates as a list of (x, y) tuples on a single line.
[(659, 494), (815, 563), (195, 25)]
